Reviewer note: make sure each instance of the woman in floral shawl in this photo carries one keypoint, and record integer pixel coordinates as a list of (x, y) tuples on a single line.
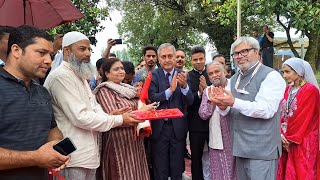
[(122, 155), (299, 123)]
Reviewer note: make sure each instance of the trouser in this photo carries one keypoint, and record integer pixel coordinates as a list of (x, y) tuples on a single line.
[(197, 142), (77, 173), (267, 56), (206, 163), (167, 154), (148, 150), (253, 169)]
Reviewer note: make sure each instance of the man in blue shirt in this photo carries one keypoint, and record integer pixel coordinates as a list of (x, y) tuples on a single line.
[(28, 129), (256, 35)]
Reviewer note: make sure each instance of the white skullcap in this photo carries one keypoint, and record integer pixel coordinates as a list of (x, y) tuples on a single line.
[(303, 68), (72, 37)]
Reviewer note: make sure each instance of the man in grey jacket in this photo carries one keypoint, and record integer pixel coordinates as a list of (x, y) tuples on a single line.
[(252, 101)]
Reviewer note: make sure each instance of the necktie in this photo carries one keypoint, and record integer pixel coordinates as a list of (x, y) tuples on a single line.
[(167, 80)]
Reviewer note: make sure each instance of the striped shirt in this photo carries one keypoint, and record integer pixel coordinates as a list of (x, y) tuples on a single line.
[(26, 117)]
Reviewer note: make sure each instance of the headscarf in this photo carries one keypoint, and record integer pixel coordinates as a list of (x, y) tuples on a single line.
[(303, 68)]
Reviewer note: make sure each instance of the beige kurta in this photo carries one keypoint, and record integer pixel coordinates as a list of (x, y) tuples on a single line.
[(78, 115), (122, 158)]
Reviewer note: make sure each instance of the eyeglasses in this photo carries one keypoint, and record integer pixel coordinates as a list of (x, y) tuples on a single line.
[(243, 52)]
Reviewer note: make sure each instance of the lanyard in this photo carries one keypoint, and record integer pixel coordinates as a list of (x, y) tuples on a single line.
[(243, 91)]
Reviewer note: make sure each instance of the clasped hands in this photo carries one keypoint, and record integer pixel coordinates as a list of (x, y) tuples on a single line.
[(178, 79), (202, 85), (220, 97)]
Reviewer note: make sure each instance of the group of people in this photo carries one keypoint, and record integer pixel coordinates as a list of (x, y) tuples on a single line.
[(254, 125)]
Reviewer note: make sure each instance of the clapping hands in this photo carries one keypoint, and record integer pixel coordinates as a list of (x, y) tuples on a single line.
[(220, 97), (202, 84), (178, 79)]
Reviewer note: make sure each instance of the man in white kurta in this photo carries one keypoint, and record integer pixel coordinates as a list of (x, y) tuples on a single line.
[(77, 113)]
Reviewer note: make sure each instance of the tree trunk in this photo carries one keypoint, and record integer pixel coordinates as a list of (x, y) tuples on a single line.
[(318, 56), (312, 51), (287, 29)]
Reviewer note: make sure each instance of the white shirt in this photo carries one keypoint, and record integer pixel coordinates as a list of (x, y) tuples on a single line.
[(266, 102), (78, 115)]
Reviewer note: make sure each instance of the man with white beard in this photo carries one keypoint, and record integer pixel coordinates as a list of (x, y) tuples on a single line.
[(221, 161), (78, 115)]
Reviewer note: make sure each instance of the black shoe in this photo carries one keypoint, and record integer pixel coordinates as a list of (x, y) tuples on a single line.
[(187, 155)]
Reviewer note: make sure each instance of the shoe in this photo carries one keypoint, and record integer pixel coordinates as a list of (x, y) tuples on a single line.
[(187, 155), (185, 177)]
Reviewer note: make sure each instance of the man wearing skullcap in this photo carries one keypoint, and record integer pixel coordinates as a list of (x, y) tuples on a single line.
[(77, 113)]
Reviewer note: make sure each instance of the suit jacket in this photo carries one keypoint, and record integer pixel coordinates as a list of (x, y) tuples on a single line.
[(176, 100)]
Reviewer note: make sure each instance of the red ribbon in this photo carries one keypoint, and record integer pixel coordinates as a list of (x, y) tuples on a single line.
[(54, 173)]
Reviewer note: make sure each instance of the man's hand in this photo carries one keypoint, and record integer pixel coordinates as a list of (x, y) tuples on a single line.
[(226, 99), (120, 111), (111, 43), (200, 90), (129, 119), (47, 157), (182, 80), (174, 82), (214, 94), (203, 82)]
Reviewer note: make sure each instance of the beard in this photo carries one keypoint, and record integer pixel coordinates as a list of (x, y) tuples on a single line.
[(82, 69), (151, 64), (219, 82)]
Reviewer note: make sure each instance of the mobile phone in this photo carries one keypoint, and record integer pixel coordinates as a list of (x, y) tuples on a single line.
[(65, 146), (118, 41)]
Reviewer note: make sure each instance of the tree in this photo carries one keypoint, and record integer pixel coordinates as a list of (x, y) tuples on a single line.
[(180, 21), (302, 15), (123, 54), (90, 24), (148, 23)]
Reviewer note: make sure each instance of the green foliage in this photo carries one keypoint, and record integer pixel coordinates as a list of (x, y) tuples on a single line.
[(226, 14), (123, 54), (151, 24), (90, 24), (303, 15), (318, 76)]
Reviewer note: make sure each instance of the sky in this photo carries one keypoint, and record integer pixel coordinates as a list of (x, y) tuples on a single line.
[(110, 31)]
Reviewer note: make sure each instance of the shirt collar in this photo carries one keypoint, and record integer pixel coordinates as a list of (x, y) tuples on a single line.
[(171, 72), (5, 74), (204, 68)]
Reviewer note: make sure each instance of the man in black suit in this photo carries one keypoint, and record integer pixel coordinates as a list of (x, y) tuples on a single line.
[(169, 87), (198, 80)]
